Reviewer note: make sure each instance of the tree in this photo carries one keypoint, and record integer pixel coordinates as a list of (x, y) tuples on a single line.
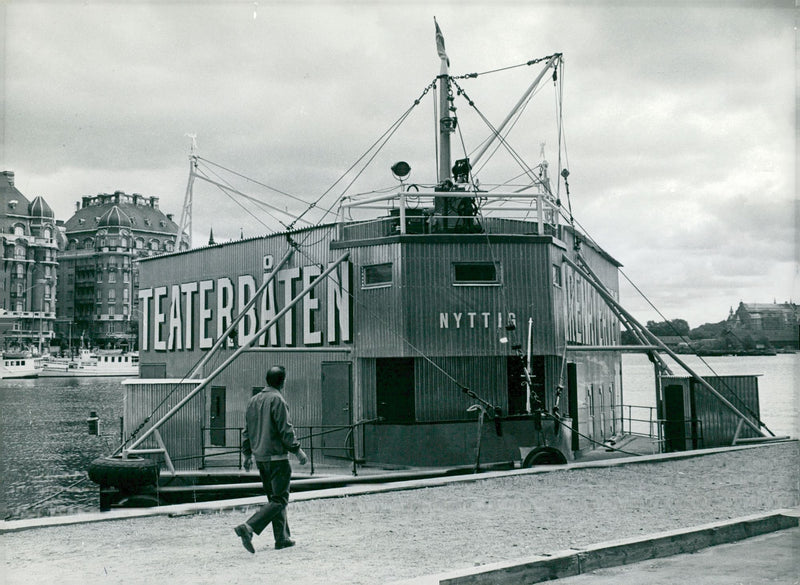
[(669, 328)]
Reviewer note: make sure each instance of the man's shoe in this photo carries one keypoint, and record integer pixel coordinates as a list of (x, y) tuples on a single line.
[(284, 544), (244, 532)]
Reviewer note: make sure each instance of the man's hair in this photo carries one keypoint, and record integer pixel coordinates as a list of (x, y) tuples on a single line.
[(275, 376)]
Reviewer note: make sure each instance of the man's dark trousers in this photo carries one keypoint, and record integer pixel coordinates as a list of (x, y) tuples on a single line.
[(275, 475)]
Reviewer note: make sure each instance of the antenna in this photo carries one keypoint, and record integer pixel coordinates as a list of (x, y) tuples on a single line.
[(185, 223)]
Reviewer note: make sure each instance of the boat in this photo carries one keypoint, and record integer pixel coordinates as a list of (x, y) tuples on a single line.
[(441, 323), (20, 365), (89, 363)]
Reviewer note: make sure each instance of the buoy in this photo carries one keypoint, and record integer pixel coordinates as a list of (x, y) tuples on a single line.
[(94, 423)]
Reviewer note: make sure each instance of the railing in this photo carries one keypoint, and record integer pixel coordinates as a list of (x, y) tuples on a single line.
[(414, 212), (647, 424), (348, 443), (203, 446), (306, 441)]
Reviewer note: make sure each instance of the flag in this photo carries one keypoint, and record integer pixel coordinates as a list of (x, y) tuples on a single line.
[(440, 43)]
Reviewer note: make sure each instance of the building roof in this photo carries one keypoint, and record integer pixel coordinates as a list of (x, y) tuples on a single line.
[(39, 208), (144, 215), (12, 202), (767, 308), (115, 217)]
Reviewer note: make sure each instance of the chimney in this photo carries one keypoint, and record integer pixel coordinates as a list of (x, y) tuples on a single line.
[(10, 176), (170, 216), (154, 202), (77, 206)]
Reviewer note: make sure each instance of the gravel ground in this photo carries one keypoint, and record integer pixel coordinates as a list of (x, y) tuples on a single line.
[(380, 538)]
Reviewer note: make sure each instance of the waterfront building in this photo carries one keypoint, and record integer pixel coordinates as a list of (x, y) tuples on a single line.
[(30, 241), (105, 238), (778, 324)]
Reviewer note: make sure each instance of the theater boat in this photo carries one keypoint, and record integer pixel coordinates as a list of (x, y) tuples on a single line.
[(440, 323)]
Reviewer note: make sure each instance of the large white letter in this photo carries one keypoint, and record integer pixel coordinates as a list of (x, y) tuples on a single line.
[(224, 307), (188, 289), (268, 313), (247, 326), (159, 318), (311, 336), (144, 296), (339, 304), (206, 341), (286, 276), (175, 339)]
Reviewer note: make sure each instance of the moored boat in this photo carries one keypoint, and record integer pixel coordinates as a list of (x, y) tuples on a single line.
[(20, 365), (465, 324), (93, 363)]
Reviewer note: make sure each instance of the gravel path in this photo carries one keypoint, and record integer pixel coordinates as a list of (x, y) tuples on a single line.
[(380, 538)]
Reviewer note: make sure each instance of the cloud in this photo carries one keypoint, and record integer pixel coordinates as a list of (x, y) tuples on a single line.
[(679, 124)]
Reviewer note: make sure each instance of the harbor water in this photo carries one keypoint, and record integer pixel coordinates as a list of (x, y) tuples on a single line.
[(46, 447)]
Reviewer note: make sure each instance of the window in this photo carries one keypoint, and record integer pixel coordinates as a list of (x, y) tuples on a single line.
[(154, 244), (111, 311), (19, 252), (556, 275), (19, 230), (377, 275), (125, 277), (112, 295), (139, 243), (125, 294), (112, 277), (475, 273), (47, 233)]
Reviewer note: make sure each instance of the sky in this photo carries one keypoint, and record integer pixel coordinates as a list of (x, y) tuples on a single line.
[(678, 117)]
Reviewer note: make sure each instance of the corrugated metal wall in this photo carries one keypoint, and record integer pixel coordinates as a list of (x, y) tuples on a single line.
[(181, 433), (719, 423)]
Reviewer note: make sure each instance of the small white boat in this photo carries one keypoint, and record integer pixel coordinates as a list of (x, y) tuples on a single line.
[(93, 363), (20, 365)]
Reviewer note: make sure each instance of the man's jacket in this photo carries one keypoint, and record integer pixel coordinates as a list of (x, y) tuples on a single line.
[(268, 434)]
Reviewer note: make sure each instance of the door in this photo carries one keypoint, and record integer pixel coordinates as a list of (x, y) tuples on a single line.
[(572, 394), (394, 390), (218, 416), (336, 409), (674, 415)]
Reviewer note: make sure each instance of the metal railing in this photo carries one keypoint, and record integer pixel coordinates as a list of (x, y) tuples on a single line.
[(306, 441), (646, 423)]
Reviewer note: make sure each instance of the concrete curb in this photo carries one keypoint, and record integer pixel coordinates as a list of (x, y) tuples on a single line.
[(572, 562), (347, 491)]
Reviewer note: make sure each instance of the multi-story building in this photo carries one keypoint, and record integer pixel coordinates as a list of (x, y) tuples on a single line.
[(99, 273), (777, 324), (30, 242)]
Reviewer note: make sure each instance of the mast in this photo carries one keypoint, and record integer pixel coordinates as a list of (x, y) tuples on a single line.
[(447, 123)]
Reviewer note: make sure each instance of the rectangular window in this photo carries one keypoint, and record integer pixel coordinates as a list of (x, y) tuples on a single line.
[(112, 294), (112, 277), (475, 273), (376, 275), (556, 275)]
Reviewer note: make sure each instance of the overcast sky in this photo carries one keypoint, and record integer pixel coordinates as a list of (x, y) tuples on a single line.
[(679, 117)]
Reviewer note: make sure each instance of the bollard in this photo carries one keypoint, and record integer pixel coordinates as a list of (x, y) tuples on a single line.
[(94, 423)]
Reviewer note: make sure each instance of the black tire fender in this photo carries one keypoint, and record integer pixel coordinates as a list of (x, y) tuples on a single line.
[(126, 474), (544, 456)]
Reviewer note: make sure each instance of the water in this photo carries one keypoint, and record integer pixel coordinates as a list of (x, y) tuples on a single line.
[(45, 446), (778, 382)]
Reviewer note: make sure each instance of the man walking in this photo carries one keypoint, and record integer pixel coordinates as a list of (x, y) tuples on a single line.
[(269, 438)]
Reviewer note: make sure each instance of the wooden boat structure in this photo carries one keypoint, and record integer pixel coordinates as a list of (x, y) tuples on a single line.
[(443, 327)]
